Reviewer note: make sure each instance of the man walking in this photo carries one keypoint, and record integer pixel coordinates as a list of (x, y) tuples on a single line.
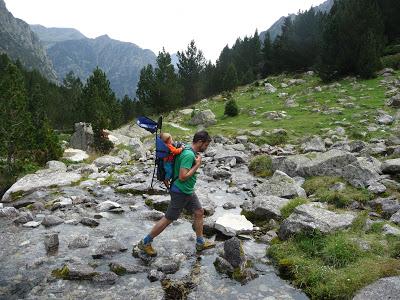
[(183, 195)]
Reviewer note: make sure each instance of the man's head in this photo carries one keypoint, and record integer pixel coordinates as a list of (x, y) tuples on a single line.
[(201, 140)]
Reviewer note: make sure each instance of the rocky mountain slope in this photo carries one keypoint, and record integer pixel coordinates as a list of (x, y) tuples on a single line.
[(19, 42), (276, 28), (69, 50)]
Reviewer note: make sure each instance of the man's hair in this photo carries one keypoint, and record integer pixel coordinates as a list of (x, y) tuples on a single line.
[(201, 136)]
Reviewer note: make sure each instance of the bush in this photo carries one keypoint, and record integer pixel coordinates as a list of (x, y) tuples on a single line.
[(231, 108), (340, 251), (278, 138), (261, 166), (287, 210), (392, 49), (101, 143), (391, 61)]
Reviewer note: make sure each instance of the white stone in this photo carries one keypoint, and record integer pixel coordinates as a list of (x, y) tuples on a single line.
[(107, 205), (231, 225), (75, 155), (31, 224), (107, 160)]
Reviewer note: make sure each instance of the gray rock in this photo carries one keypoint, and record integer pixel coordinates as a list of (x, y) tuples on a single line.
[(233, 252), (75, 155), (229, 205), (89, 222), (155, 275), (218, 173), (32, 224), (223, 266), (76, 271), (395, 218), (376, 188), (105, 278), (205, 118), (362, 172), (242, 139), (167, 265), (126, 268), (315, 144), (269, 236), (80, 241), (107, 161), (356, 146), (108, 247), (309, 217), (51, 220), (269, 88), (388, 206), (9, 212), (107, 205), (56, 165), (227, 155), (51, 241), (391, 166), (268, 207), (231, 225), (394, 101), (390, 230), (83, 136), (383, 289), (385, 119), (280, 185), (23, 218)]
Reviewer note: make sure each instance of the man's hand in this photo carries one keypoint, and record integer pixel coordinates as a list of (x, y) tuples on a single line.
[(198, 160)]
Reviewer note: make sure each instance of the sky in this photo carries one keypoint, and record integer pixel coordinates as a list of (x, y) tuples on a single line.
[(154, 24)]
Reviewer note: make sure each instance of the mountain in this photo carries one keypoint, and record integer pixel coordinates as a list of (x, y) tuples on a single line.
[(50, 36), (276, 28), (19, 42), (121, 61)]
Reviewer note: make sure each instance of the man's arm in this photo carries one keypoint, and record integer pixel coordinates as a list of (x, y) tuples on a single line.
[(184, 173)]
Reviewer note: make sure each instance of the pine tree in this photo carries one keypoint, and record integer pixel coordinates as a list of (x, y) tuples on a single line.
[(191, 64), (231, 108), (231, 78)]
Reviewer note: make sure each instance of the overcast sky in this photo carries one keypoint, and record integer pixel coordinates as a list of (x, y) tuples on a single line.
[(152, 24)]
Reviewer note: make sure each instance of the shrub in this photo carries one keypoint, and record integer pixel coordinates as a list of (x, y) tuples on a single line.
[(231, 108), (287, 210), (101, 143), (261, 166), (391, 61), (340, 251), (278, 138)]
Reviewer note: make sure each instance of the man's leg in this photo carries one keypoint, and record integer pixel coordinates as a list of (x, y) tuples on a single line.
[(159, 227), (198, 221), (198, 215)]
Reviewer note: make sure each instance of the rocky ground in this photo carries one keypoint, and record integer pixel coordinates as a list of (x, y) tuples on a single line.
[(69, 231)]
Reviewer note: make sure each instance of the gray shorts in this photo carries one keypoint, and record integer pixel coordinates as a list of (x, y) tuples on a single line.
[(179, 201)]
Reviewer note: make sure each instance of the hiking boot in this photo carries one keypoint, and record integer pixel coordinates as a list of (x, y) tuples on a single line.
[(206, 245), (147, 248)]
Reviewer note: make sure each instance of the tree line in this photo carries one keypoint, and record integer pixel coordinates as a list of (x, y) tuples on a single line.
[(349, 40)]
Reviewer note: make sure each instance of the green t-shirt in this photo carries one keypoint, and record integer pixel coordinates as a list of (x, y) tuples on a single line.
[(185, 160)]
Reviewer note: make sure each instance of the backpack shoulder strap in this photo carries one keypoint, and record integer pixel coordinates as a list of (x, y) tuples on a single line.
[(177, 176)]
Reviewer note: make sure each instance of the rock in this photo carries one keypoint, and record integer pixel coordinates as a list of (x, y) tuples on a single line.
[(242, 139), (40, 180), (218, 173), (268, 207), (231, 225), (376, 188), (269, 236), (233, 252), (227, 155), (107, 161), (107, 205), (391, 166), (395, 218), (340, 186), (62, 202), (223, 266), (124, 268), (205, 118), (82, 137), (51, 241), (315, 144), (280, 185), (24, 217), (155, 275), (386, 206), (383, 289), (105, 278), (309, 217), (394, 101), (51, 220), (186, 112), (9, 212), (152, 215), (390, 230), (89, 169), (269, 88), (75, 155), (109, 247), (385, 119), (80, 241), (75, 271), (363, 172), (56, 165), (89, 222), (356, 146), (31, 224), (167, 265), (229, 205)]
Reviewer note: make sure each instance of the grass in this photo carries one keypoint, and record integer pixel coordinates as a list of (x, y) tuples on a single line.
[(320, 187), (334, 266), (261, 166), (288, 209)]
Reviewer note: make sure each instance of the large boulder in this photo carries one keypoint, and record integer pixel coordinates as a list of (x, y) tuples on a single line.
[(391, 166), (383, 289), (82, 137), (280, 185), (41, 179), (363, 172), (231, 225), (204, 117), (75, 155), (268, 207), (315, 144), (310, 217)]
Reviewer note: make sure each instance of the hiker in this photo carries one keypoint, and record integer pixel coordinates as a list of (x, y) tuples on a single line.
[(183, 195), (169, 160)]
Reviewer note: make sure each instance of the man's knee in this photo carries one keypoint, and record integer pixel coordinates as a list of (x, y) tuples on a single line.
[(198, 213)]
